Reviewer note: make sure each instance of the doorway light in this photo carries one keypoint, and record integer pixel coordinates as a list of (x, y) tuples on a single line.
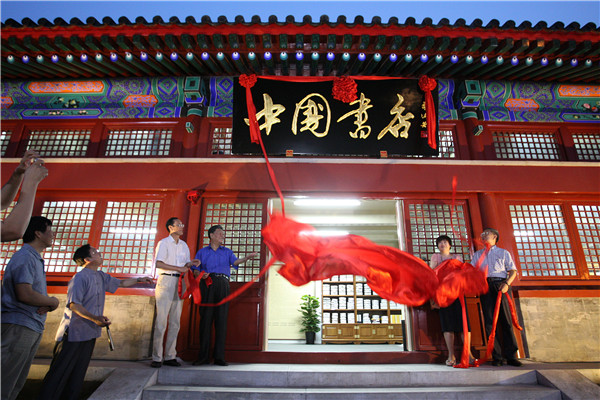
[(324, 233), (327, 203)]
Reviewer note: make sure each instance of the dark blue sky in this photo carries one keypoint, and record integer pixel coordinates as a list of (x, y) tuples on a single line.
[(486, 10)]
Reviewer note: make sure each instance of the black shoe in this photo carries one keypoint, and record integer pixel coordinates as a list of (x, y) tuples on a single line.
[(497, 363), (156, 364), (200, 362), (221, 362), (172, 363), (514, 362)]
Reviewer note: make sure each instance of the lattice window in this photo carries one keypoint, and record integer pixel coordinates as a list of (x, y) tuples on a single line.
[(587, 146), (4, 141), (544, 247), (60, 142), (127, 239), (242, 223), (221, 141), (72, 221), (587, 219), (446, 144), (7, 249), (428, 221), (525, 146), (138, 142)]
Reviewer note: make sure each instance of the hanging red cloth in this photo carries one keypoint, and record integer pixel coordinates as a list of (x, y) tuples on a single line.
[(391, 273)]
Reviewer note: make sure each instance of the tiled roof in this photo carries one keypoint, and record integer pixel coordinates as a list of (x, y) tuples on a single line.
[(124, 48)]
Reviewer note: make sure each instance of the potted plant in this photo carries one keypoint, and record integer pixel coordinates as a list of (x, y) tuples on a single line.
[(310, 317)]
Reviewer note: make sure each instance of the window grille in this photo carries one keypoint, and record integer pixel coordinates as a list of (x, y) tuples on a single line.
[(543, 244), (446, 144), (428, 221), (242, 223), (587, 146), (127, 239), (221, 141), (72, 221), (587, 220), (4, 141), (525, 146), (7, 249), (138, 143), (60, 143)]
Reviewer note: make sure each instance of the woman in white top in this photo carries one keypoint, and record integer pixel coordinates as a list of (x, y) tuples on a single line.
[(451, 316)]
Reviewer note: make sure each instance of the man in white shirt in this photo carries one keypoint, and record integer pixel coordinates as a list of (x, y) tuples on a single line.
[(172, 260)]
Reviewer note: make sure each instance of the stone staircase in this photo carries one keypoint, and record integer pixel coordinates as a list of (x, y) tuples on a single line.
[(346, 382)]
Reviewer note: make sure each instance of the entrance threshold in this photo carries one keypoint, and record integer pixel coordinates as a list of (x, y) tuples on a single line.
[(334, 348), (300, 353)]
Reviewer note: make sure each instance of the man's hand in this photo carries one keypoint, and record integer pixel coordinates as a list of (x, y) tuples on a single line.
[(206, 275), (252, 255), (55, 302), (28, 158), (101, 320), (504, 287), (183, 269), (36, 172), (195, 262), (43, 310), (145, 279)]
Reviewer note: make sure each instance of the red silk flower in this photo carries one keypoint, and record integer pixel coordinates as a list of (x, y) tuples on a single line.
[(344, 89)]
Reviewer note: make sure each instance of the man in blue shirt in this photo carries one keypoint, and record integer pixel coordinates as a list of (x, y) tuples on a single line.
[(216, 261), (25, 303), (81, 324), (500, 275)]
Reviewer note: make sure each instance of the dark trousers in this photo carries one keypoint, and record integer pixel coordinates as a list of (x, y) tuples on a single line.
[(65, 377), (217, 315), (509, 347)]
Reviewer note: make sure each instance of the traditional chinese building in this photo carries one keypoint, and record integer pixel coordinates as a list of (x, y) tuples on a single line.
[(141, 120)]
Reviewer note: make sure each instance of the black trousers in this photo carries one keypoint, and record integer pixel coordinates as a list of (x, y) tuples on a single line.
[(65, 377), (217, 315), (508, 349)]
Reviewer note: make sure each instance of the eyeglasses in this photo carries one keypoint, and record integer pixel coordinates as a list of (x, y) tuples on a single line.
[(179, 225)]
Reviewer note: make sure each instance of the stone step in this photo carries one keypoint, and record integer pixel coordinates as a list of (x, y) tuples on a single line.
[(347, 376), (487, 392)]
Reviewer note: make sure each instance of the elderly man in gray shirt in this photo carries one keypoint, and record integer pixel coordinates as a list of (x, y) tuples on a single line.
[(81, 324), (500, 275)]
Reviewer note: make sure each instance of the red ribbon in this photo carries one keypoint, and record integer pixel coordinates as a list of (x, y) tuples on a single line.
[(514, 318), (427, 85), (248, 81), (192, 284)]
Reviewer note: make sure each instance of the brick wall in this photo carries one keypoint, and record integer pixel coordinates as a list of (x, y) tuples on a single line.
[(562, 329), (132, 323)]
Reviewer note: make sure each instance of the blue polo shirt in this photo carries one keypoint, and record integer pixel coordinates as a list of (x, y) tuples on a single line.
[(219, 261), (87, 288), (25, 266)]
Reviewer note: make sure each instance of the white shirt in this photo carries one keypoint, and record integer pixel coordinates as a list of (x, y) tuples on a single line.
[(171, 253), (498, 260)]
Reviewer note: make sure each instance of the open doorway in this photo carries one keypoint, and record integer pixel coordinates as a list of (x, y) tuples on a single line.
[(376, 220)]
